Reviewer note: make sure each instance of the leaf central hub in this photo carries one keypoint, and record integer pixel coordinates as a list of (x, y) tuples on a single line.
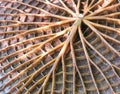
[(80, 15)]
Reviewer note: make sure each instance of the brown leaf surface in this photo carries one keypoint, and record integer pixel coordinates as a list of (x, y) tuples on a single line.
[(59, 47)]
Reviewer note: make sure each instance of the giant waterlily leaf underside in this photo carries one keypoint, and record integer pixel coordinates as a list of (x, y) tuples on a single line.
[(59, 46)]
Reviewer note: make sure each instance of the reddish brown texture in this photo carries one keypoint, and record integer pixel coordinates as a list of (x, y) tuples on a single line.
[(59, 47)]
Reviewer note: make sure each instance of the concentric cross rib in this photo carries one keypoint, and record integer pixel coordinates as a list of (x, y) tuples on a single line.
[(59, 46)]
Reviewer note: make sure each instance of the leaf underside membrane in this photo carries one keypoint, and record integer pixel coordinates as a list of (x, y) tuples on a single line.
[(59, 47)]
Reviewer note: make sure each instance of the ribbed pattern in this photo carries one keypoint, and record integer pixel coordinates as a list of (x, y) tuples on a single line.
[(59, 47)]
